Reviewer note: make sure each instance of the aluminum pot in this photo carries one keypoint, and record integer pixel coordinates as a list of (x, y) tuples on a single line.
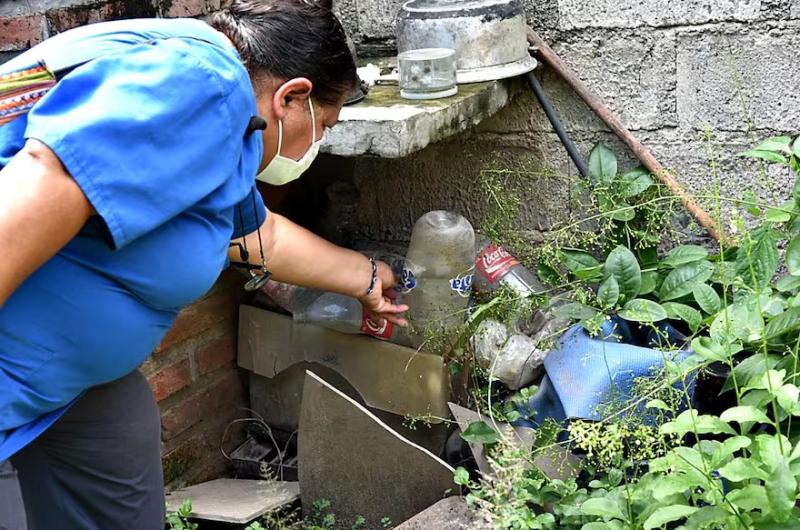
[(489, 36)]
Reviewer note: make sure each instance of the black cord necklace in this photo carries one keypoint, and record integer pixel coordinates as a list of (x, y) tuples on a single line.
[(257, 279)]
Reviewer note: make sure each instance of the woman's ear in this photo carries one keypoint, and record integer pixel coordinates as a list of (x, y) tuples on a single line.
[(290, 91)]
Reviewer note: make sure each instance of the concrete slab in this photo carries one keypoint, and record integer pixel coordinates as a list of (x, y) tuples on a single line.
[(386, 125), (388, 377), (555, 462), (352, 459), (234, 500), (451, 513)]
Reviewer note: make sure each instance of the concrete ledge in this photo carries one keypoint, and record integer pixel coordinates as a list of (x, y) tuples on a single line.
[(388, 126)]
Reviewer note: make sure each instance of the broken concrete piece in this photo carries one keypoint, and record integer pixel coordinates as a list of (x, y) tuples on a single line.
[(451, 513), (555, 462), (352, 459), (388, 377), (234, 500)]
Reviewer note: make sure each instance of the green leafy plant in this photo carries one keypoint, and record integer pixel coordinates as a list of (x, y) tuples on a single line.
[(179, 519), (688, 469)]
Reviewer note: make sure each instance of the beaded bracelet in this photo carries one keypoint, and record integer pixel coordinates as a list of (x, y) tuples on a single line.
[(374, 278)]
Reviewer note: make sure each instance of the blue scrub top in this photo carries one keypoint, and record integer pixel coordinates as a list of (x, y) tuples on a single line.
[(153, 131)]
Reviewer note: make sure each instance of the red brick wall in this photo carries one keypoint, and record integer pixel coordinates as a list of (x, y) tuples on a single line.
[(198, 386), (21, 27), (193, 372)]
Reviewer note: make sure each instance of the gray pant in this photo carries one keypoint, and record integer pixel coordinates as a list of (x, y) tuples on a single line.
[(12, 512), (99, 465)]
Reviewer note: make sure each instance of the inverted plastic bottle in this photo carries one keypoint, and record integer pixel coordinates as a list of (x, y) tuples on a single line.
[(333, 311), (440, 263), (496, 267)]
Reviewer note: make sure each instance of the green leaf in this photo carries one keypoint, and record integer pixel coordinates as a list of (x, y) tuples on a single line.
[(781, 486), (751, 497), (602, 164), (657, 404), (706, 516), (689, 421), (626, 214), (479, 432), (738, 321), (641, 310), (622, 264), (706, 297), (668, 514), (649, 282), (682, 281), (710, 349), (788, 283), (760, 253), (744, 414), (684, 312), (684, 254), (636, 181), (461, 476), (575, 260), (769, 156), (596, 526), (792, 256), (602, 507), (575, 311), (796, 147), (776, 144), (785, 322), (740, 469), (780, 214), (608, 293), (548, 274)]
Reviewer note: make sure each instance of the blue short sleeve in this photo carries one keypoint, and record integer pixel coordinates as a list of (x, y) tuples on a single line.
[(147, 133), (249, 214)]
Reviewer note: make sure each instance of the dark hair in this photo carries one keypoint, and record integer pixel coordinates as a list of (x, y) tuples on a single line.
[(291, 38)]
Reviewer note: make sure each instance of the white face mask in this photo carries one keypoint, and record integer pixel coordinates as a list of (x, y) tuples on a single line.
[(282, 170)]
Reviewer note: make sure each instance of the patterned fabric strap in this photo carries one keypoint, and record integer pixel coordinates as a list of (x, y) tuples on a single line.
[(21, 89)]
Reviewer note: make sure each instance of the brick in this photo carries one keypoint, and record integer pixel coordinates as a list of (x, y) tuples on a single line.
[(20, 32), (728, 80), (81, 13), (576, 14), (188, 8), (198, 317), (216, 354), (167, 380), (201, 405)]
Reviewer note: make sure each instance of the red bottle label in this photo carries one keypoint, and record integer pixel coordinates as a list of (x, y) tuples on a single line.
[(380, 329), (494, 262)]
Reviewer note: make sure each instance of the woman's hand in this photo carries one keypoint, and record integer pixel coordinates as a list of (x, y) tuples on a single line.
[(380, 303)]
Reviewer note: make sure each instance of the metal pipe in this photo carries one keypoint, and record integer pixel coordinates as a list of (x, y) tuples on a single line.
[(552, 115), (544, 52)]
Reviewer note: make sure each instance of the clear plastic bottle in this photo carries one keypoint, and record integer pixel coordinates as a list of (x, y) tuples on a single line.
[(496, 267), (438, 277), (333, 311)]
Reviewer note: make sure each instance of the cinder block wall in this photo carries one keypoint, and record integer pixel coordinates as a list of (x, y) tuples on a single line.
[(193, 372), (670, 70)]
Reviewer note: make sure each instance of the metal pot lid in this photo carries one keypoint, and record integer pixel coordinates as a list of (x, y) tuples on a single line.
[(459, 8), (498, 71)]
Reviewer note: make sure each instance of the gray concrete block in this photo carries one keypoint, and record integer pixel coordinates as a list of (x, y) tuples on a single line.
[(576, 14), (393, 194), (794, 9), (347, 12), (376, 18), (363, 467), (234, 500), (448, 514), (729, 80), (634, 74)]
